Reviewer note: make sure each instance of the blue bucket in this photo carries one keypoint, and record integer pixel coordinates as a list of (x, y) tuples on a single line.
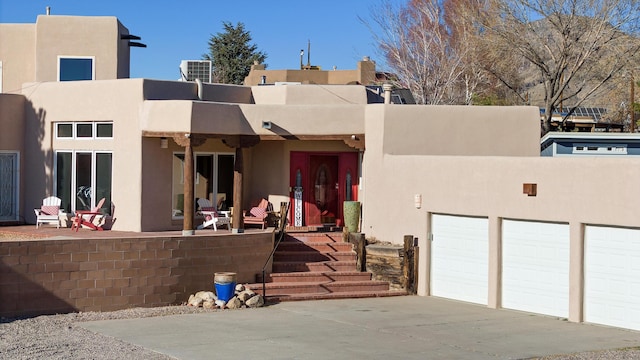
[(225, 291), (225, 285)]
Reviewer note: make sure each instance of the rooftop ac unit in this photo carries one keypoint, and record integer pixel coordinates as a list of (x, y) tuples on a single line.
[(190, 70)]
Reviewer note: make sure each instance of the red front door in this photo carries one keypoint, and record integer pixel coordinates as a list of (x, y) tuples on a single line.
[(320, 183)]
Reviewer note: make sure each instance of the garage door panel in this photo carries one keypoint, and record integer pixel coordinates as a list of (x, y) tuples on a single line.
[(612, 276), (535, 267), (460, 255)]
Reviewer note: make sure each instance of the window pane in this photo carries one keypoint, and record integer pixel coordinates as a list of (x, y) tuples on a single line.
[(83, 181), (204, 175), (103, 181), (63, 179), (65, 130), (76, 69), (84, 130), (225, 179), (104, 130)]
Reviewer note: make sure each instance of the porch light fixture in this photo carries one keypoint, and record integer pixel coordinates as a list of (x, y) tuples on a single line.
[(417, 200), (164, 143), (266, 125)]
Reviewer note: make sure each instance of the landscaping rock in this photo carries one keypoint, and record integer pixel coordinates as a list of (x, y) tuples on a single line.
[(256, 301)]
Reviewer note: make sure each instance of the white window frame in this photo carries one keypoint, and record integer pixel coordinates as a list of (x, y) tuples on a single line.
[(93, 64), (73, 173), (74, 130)]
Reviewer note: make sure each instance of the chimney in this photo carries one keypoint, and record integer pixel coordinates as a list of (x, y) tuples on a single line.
[(387, 93), (48, 10)]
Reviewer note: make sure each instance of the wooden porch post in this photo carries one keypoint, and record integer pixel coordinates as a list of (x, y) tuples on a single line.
[(237, 221), (238, 142), (188, 141), (187, 222)]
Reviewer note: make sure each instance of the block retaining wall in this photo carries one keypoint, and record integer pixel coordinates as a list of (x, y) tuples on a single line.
[(59, 276)]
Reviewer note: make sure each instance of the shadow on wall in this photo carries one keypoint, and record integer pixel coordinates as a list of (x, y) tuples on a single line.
[(20, 292), (37, 176)]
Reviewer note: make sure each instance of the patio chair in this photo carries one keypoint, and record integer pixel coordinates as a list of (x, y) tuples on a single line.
[(49, 212), (211, 216), (86, 217), (258, 214)]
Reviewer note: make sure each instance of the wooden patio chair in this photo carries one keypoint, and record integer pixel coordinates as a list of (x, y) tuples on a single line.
[(49, 212)]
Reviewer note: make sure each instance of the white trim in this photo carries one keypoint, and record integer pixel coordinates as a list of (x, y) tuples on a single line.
[(93, 64), (74, 130)]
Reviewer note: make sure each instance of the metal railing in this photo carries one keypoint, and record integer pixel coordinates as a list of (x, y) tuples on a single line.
[(282, 225)]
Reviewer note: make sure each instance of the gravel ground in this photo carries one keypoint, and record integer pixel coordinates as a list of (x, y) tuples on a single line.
[(58, 337)]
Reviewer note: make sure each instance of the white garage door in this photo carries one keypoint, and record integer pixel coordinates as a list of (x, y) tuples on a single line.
[(612, 276), (460, 258), (535, 267)]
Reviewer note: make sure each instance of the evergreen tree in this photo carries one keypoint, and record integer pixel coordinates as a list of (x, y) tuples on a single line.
[(232, 54)]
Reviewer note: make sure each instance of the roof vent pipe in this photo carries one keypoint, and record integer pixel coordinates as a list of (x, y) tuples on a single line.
[(387, 93), (199, 83), (48, 10)]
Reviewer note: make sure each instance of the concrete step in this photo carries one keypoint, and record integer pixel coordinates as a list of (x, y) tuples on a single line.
[(319, 276), (312, 256), (296, 266)]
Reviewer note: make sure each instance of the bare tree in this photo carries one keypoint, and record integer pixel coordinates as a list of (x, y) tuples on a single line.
[(575, 46), (416, 46)]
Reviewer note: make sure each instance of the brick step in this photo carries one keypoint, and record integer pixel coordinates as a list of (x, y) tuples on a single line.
[(330, 296), (311, 256), (319, 276), (296, 266), (321, 287), (314, 237), (317, 246)]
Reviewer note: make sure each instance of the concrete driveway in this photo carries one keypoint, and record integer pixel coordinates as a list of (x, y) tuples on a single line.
[(406, 327)]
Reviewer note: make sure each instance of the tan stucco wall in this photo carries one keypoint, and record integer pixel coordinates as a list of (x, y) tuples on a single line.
[(216, 118), (108, 100), (364, 74), (309, 94), (591, 190), (12, 122), (77, 36), (459, 130), (17, 53)]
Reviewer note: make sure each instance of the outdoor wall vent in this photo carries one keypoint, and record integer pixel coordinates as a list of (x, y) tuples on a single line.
[(266, 125), (530, 189)]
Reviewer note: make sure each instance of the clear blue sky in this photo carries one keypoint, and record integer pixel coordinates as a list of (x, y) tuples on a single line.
[(179, 30)]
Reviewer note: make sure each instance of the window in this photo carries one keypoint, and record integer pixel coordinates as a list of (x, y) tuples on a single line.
[(64, 130), (84, 130), (75, 68), (213, 180), (83, 178), (599, 149)]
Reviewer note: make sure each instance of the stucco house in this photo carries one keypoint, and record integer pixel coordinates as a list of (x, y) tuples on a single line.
[(496, 223)]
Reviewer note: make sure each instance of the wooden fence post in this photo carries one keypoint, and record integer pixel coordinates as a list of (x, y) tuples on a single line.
[(408, 265), (360, 243)]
